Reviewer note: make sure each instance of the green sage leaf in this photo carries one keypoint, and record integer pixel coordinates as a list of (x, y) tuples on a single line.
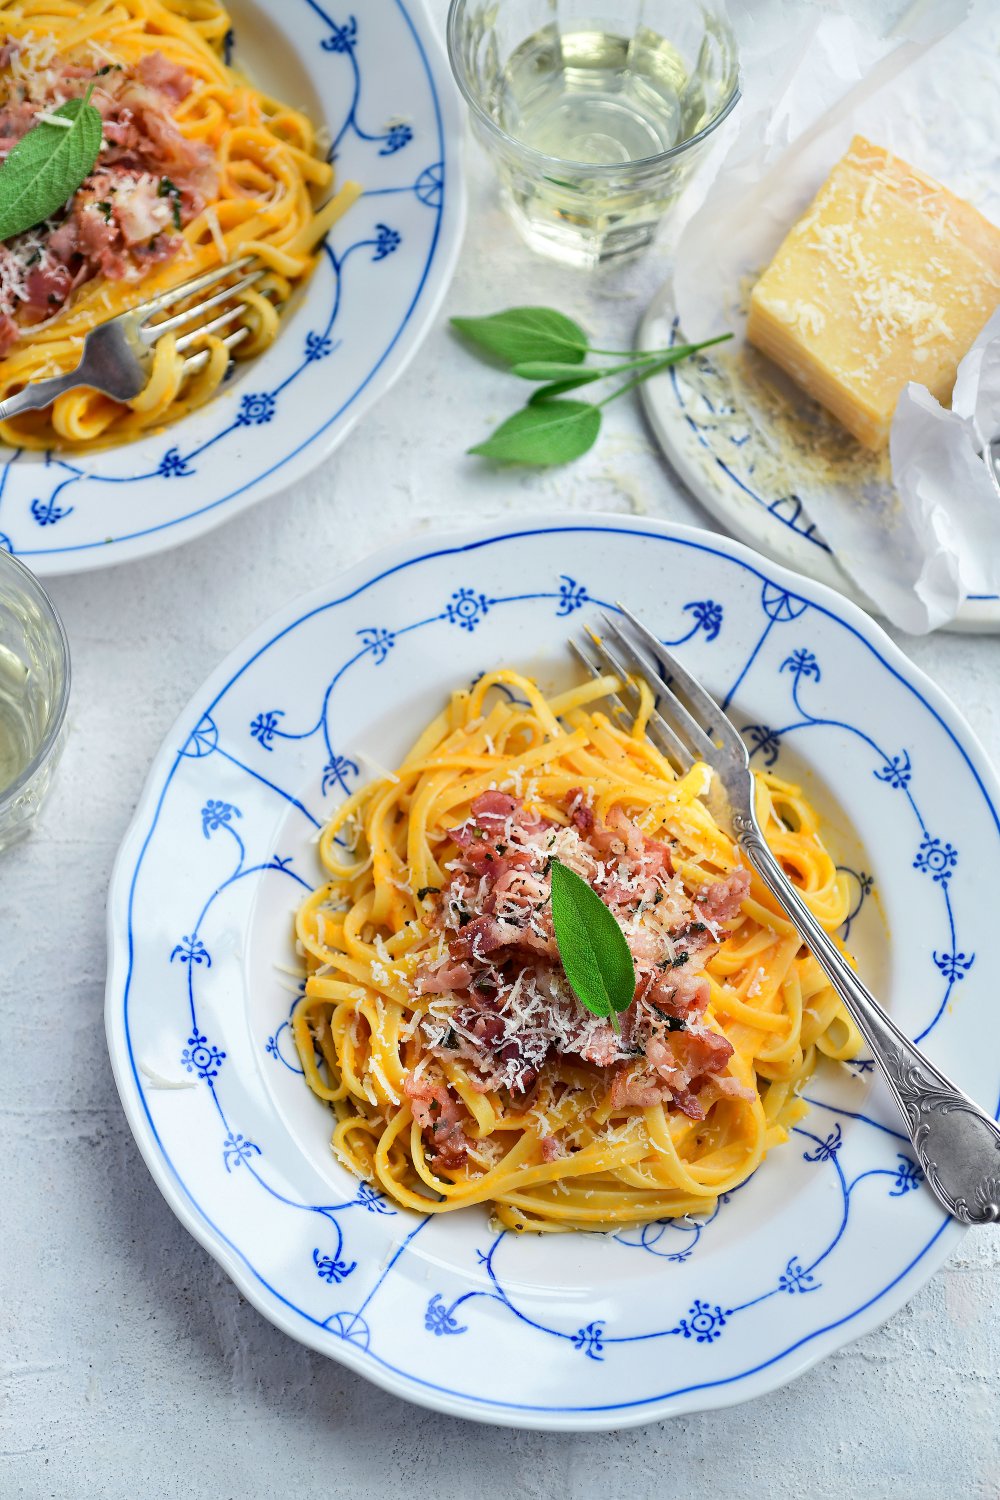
[(554, 369), (559, 387), (554, 432), (526, 333), (559, 378), (595, 956), (48, 165)]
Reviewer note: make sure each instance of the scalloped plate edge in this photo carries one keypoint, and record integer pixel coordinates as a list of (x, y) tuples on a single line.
[(768, 1377)]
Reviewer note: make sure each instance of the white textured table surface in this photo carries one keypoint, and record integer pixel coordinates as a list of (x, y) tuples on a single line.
[(130, 1366)]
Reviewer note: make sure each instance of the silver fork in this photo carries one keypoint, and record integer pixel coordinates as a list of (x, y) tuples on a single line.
[(957, 1143), (118, 355)]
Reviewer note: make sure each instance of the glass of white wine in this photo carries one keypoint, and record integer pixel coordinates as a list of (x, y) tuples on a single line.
[(34, 692), (595, 112)]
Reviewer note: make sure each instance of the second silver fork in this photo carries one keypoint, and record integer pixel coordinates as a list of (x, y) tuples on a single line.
[(117, 355)]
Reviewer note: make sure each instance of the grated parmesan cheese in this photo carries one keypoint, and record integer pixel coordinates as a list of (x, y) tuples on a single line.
[(215, 229)]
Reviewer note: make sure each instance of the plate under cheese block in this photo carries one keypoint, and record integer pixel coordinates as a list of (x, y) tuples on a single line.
[(726, 459)]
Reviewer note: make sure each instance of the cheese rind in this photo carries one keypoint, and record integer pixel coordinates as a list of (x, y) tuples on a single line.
[(887, 278)]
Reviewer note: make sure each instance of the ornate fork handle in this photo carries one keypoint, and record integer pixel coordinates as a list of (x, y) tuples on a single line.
[(956, 1143), (39, 393)]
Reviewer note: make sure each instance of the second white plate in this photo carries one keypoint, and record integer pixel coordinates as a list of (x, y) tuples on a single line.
[(379, 82), (723, 469)]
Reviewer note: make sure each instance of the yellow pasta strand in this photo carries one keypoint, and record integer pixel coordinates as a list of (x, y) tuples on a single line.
[(365, 932), (275, 200)]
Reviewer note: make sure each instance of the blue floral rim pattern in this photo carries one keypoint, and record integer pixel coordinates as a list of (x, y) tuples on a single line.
[(703, 1321), (49, 491)]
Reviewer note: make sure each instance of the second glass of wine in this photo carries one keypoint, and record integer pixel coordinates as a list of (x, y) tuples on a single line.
[(34, 692), (595, 112)]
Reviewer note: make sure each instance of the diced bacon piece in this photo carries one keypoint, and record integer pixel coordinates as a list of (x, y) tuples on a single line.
[(629, 832), (100, 242), (63, 241), (698, 1052), (645, 943), (687, 1101), (158, 72), (723, 899), (160, 249), (657, 857), (679, 1064), (140, 211), (175, 154), (732, 1088), (440, 1117), (439, 979), (632, 1090), (516, 886), (522, 1074), (45, 289), (581, 814), (121, 131), (485, 934), (492, 809), (485, 1027), (503, 872), (679, 994), (600, 1046), (16, 118), (551, 1149), (664, 1062)]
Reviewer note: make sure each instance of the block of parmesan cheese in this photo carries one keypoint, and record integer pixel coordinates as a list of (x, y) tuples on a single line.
[(887, 278)]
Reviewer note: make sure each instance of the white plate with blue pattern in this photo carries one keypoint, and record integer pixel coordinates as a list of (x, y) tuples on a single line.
[(723, 456), (380, 83), (828, 1238)]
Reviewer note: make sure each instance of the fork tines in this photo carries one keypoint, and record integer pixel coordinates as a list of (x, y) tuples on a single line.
[(148, 332), (186, 289), (687, 722), (660, 731)]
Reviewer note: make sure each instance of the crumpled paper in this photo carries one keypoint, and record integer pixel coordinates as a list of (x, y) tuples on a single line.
[(946, 529), (926, 89)]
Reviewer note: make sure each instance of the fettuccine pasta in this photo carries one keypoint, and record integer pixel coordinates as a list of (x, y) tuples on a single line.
[(437, 1021), (197, 168)]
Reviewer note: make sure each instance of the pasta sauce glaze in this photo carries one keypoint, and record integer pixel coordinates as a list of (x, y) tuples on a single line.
[(149, 181), (502, 1001)]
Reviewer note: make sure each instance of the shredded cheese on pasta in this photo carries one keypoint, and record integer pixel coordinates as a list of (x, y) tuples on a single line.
[(561, 1153), (272, 176)]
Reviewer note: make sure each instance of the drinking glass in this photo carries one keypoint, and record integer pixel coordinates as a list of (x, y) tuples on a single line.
[(34, 692), (595, 112)]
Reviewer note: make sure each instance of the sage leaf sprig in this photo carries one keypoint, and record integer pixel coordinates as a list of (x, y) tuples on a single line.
[(595, 956), (523, 333), (48, 164), (544, 346)]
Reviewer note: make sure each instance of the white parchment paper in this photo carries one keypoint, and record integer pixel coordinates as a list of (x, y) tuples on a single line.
[(926, 88)]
